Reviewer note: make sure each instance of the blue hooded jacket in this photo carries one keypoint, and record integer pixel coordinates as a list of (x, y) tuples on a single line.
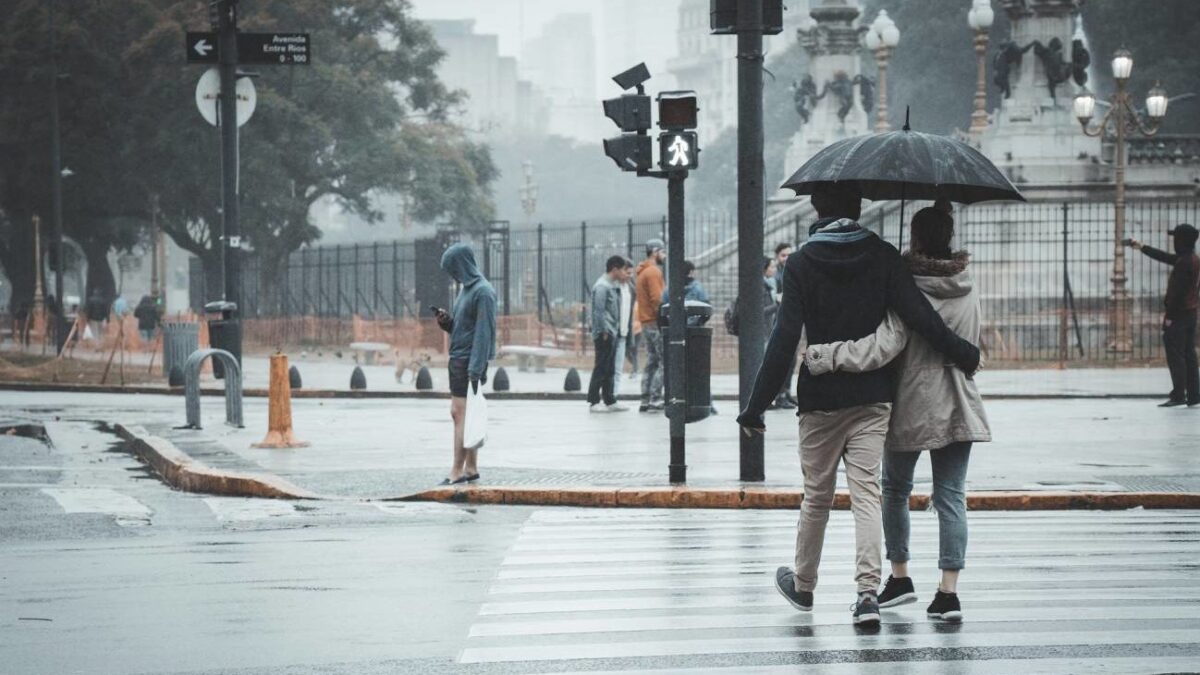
[(473, 331)]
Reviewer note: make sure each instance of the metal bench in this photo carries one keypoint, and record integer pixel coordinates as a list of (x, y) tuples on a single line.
[(528, 354)]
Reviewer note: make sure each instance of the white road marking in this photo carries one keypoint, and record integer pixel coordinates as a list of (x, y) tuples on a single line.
[(238, 509), (128, 511)]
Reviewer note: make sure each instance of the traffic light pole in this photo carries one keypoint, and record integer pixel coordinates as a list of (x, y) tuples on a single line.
[(230, 240), (677, 330), (752, 329)]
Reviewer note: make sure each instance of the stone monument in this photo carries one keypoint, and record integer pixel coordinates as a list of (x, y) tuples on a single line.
[(834, 99), (1033, 135)]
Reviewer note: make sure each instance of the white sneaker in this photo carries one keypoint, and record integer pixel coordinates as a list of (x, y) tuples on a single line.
[(617, 407), (598, 408)]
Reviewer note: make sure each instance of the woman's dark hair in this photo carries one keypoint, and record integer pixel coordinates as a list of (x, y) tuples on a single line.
[(931, 231), (688, 267), (767, 264)]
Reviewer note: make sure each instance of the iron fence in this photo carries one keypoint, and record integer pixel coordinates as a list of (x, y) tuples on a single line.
[(1042, 271)]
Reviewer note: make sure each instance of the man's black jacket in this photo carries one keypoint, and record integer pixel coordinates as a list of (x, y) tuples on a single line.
[(841, 291), (1183, 284)]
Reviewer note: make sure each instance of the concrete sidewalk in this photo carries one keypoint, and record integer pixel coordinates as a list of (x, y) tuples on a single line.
[(388, 448)]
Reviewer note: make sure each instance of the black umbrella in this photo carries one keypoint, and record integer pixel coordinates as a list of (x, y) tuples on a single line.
[(905, 165)]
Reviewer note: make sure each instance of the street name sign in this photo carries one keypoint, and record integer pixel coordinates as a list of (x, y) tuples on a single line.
[(289, 49)]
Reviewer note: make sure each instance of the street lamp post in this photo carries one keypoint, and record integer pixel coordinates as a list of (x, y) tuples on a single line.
[(980, 19), (882, 37), (1123, 118)]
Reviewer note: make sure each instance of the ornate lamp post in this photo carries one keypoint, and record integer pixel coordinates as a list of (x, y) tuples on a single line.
[(980, 19), (528, 190), (882, 37), (1123, 118)]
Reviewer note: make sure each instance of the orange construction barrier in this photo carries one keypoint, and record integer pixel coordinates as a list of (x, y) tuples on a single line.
[(279, 415)]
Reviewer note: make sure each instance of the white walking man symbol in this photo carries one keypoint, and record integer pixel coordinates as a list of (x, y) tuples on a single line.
[(679, 149)]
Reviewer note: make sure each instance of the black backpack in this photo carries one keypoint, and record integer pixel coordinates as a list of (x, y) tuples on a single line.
[(731, 318)]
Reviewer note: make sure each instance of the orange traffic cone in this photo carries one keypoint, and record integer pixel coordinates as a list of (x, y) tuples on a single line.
[(279, 415)]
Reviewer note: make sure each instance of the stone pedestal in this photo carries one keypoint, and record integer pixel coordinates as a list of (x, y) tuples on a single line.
[(1033, 136)]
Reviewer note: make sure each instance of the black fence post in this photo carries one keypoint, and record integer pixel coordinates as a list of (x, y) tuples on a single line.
[(395, 279), (541, 272), (629, 239)]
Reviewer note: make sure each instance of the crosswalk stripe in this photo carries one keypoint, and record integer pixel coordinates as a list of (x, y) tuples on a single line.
[(1103, 665), (964, 639), (126, 510), (627, 624), (237, 509)]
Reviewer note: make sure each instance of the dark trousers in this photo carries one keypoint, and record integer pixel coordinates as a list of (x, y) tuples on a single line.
[(1179, 339), (601, 384)]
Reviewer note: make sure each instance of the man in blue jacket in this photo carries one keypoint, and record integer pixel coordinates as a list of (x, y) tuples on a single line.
[(472, 328), (606, 330)]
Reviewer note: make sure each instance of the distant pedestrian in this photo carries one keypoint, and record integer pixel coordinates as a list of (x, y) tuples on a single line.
[(147, 317), (839, 287), (937, 409), (471, 324), (692, 290), (97, 314), (606, 329), (1179, 316), (120, 307), (625, 324), (650, 285), (784, 399)]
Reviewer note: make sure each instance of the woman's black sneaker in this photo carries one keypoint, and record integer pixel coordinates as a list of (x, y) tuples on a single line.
[(785, 583), (945, 607), (866, 610), (897, 592)]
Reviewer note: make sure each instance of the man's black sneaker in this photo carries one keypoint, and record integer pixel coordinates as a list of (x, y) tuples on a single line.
[(945, 607), (897, 592), (785, 583), (784, 403), (866, 610), (1172, 403)]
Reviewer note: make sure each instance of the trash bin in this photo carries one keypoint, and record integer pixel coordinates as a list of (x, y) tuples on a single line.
[(697, 358), (180, 339), (224, 332)]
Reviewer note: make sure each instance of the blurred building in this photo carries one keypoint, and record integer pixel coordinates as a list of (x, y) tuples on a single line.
[(707, 63), (561, 62), (498, 101)]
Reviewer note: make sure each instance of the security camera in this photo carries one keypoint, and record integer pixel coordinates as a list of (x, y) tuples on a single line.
[(633, 77)]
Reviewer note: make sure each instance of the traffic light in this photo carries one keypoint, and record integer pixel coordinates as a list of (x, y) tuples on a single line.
[(631, 112), (631, 152), (678, 151), (722, 17), (678, 145)]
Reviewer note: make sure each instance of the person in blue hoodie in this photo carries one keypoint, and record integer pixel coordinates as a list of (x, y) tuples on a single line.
[(472, 328)]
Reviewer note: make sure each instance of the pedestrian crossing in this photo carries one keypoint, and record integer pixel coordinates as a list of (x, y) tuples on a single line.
[(692, 591)]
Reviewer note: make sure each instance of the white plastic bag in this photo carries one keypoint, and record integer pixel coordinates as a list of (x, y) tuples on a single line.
[(475, 425)]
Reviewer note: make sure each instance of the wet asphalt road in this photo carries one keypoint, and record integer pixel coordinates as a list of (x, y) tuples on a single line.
[(104, 570)]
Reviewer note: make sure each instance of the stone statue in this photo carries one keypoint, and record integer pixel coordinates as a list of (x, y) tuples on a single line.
[(804, 97), (866, 92), (843, 89), (1007, 56), (1058, 69)]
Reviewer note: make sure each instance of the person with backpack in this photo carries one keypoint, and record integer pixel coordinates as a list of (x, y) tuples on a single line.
[(839, 287), (937, 410), (1179, 314)]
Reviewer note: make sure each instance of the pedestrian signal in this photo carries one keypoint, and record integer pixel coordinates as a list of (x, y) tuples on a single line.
[(678, 151)]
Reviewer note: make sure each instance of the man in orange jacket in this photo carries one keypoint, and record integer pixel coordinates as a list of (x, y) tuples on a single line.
[(650, 285)]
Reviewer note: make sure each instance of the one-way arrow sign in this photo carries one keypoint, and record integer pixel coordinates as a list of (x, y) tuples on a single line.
[(201, 47)]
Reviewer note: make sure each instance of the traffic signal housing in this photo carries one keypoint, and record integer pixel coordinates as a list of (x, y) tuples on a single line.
[(678, 151), (631, 152), (631, 112), (677, 110)]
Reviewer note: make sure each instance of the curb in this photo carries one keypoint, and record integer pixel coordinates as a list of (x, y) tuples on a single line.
[(769, 498), (494, 396), (180, 471)]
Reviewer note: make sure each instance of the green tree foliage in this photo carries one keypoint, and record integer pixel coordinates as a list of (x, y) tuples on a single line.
[(368, 117)]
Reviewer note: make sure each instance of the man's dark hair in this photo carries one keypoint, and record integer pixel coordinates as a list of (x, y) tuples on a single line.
[(688, 267), (767, 263), (781, 247), (837, 201), (931, 231), (616, 262)]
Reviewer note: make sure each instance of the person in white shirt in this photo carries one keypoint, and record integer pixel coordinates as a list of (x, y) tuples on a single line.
[(625, 329)]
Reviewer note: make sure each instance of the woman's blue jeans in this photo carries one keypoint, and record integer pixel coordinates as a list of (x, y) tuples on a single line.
[(949, 500)]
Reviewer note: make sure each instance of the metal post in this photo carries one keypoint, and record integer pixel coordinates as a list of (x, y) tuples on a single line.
[(677, 331), (60, 328), (750, 221), (1121, 343), (507, 269), (540, 279), (1062, 326), (395, 279), (231, 232), (629, 238), (979, 118), (584, 287)]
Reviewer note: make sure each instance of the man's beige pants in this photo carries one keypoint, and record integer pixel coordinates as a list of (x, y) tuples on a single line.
[(855, 436)]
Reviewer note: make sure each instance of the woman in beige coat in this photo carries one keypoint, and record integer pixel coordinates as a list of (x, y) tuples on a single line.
[(937, 409)]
